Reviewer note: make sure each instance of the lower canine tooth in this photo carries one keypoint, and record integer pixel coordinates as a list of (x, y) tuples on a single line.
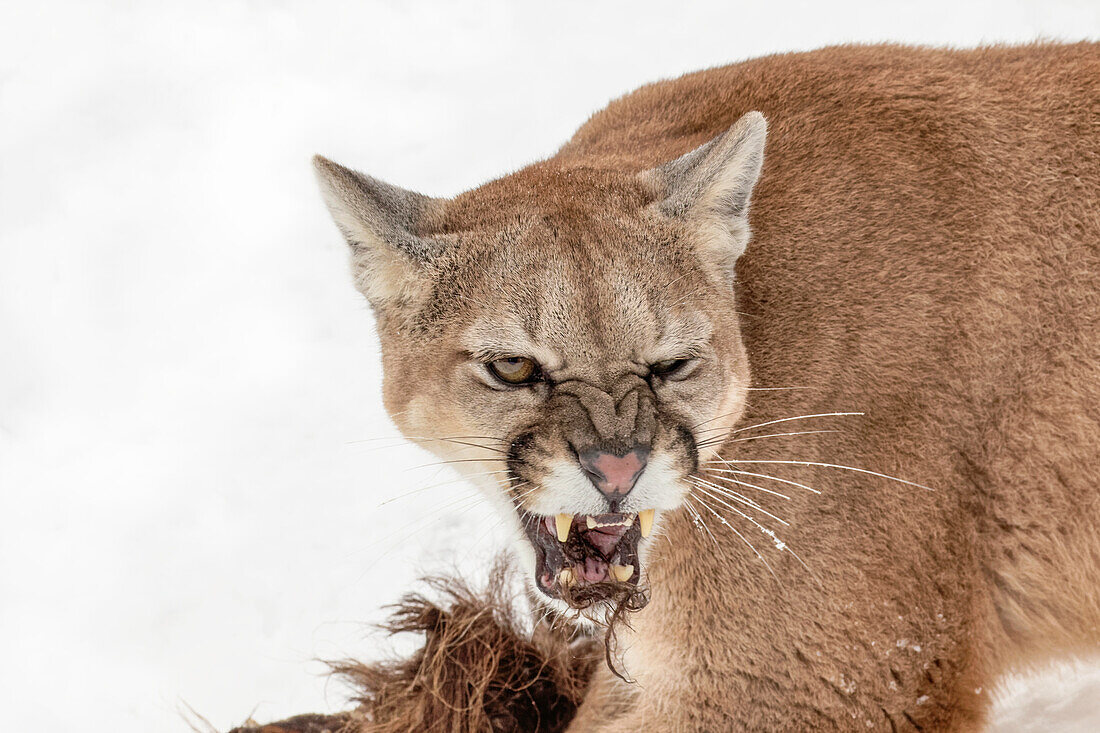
[(564, 522), (565, 577), (591, 522), (645, 519), (622, 573)]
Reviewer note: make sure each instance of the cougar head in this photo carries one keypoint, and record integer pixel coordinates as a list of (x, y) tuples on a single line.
[(568, 336)]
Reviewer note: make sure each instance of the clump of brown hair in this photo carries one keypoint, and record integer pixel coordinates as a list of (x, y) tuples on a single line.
[(341, 723), (618, 599), (484, 665), (490, 662)]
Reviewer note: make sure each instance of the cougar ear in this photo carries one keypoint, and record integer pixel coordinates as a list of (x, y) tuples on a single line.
[(392, 265), (711, 186)]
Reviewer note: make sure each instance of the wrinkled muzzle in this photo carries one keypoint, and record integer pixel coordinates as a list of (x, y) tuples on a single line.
[(589, 477)]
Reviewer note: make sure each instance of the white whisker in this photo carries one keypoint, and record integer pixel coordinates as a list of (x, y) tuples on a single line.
[(761, 475), (411, 527), (781, 435), (459, 442), (833, 465), (733, 494), (517, 501), (425, 437), (773, 389), (716, 417), (797, 417), (748, 485), (486, 459), (441, 483), (733, 529), (780, 545), (698, 520), (737, 497), (766, 530), (480, 540)]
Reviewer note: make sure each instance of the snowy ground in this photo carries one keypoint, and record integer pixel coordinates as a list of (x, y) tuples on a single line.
[(194, 504)]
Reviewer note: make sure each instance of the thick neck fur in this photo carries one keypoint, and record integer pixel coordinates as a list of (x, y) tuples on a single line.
[(924, 253), (918, 306)]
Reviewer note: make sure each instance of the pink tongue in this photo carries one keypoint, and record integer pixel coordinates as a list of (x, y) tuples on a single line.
[(593, 570), (605, 540)]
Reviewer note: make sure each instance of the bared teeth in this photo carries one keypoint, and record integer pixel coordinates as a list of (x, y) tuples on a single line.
[(595, 522), (645, 519), (564, 522), (622, 573), (566, 577)]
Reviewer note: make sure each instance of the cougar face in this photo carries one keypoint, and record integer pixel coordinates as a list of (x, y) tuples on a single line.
[(567, 338)]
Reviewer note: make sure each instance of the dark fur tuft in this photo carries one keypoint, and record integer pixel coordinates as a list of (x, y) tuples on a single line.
[(485, 665), (481, 667), (619, 599)]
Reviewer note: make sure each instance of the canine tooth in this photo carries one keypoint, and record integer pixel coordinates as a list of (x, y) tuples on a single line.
[(645, 518), (565, 577), (564, 522), (591, 522), (622, 573)]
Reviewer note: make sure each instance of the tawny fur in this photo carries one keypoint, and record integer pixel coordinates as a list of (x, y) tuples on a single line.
[(926, 250)]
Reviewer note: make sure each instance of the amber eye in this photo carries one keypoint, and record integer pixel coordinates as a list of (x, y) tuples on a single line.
[(515, 370), (668, 367)]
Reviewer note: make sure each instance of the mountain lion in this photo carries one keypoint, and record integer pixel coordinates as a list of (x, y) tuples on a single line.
[(796, 360)]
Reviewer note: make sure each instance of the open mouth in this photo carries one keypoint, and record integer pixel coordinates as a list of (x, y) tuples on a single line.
[(584, 558)]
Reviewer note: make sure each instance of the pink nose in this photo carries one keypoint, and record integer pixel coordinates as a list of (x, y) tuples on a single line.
[(614, 475)]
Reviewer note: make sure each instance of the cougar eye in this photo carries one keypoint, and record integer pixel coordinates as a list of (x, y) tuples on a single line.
[(515, 370), (668, 367)]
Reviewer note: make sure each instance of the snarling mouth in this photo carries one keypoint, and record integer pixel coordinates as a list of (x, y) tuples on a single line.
[(584, 558)]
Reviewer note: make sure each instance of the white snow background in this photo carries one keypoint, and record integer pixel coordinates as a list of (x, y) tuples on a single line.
[(193, 508)]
